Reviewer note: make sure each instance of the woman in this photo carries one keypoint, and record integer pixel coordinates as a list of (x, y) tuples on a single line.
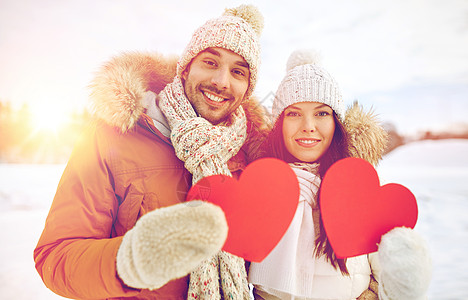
[(309, 133)]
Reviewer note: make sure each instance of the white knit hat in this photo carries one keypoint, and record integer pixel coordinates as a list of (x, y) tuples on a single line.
[(307, 81), (238, 30)]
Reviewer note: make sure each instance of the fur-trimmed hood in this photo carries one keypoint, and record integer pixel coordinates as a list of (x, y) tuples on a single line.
[(119, 88), (367, 138)]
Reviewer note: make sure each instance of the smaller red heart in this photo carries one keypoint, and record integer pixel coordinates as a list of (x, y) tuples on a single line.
[(357, 211), (259, 207)]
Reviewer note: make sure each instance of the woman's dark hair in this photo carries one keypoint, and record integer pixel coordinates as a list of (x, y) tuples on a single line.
[(274, 147)]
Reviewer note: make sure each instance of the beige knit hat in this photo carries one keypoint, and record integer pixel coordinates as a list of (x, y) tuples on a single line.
[(307, 81), (238, 30)]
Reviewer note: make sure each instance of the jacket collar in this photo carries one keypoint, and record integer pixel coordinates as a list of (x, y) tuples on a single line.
[(154, 112)]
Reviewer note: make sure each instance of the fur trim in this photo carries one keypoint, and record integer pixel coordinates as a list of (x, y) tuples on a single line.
[(260, 127), (170, 242), (367, 137), (118, 90)]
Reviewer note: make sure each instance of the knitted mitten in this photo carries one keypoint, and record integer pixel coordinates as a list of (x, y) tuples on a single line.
[(406, 265), (170, 242)]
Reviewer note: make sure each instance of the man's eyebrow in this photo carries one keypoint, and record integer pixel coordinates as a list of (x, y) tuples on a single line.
[(242, 63), (213, 51)]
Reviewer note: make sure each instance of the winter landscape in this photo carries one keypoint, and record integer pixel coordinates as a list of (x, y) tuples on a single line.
[(435, 171), (407, 60)]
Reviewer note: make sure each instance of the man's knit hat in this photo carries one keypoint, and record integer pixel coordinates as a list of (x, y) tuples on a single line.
[(238, 30), (307, 81)]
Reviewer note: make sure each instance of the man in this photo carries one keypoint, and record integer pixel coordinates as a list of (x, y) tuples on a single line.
[(117, 227)]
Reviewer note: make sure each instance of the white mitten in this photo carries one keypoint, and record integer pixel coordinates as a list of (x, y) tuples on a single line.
[(170, 242), (406, 265)]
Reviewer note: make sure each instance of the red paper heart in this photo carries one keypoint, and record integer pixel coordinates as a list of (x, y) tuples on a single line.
[(258, 208), (357, 211)]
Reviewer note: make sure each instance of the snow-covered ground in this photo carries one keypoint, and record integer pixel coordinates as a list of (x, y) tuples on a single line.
[(437, 174), (26, 192), (435, 171)]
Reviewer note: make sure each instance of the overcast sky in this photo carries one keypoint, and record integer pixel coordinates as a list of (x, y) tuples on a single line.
[(408, 59)]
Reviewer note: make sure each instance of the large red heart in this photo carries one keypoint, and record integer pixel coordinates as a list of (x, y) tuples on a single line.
[(357, 211), (258, 208)]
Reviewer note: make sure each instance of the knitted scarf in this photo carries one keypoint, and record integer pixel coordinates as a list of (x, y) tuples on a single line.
[(206, 149)]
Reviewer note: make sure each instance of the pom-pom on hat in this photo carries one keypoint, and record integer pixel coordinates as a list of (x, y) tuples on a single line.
[(307, 81), (238, 30)]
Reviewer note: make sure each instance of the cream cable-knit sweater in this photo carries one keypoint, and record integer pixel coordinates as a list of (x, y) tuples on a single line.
[(291, 271)]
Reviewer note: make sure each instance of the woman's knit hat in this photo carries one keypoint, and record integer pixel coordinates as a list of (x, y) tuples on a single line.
[(238, 30), (307, 81)]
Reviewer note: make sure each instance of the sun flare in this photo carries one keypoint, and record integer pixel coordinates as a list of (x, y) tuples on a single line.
[(48, 118)]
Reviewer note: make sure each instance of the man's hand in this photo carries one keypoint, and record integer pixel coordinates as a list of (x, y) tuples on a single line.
[(170, 242)]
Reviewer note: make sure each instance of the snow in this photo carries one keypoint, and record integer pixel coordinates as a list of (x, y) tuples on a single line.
[(26, 192), (435, 171), (437, 174)]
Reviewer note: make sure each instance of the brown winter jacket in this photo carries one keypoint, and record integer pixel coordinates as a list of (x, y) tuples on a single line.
[(121, 168)]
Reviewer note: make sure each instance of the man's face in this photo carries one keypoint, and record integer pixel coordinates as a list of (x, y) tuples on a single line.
[(215, 83)]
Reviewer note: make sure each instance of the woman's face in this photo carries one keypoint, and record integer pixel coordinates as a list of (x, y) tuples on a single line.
[(308, 129)]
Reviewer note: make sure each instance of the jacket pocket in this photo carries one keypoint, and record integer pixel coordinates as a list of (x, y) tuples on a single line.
[(129, 210)]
